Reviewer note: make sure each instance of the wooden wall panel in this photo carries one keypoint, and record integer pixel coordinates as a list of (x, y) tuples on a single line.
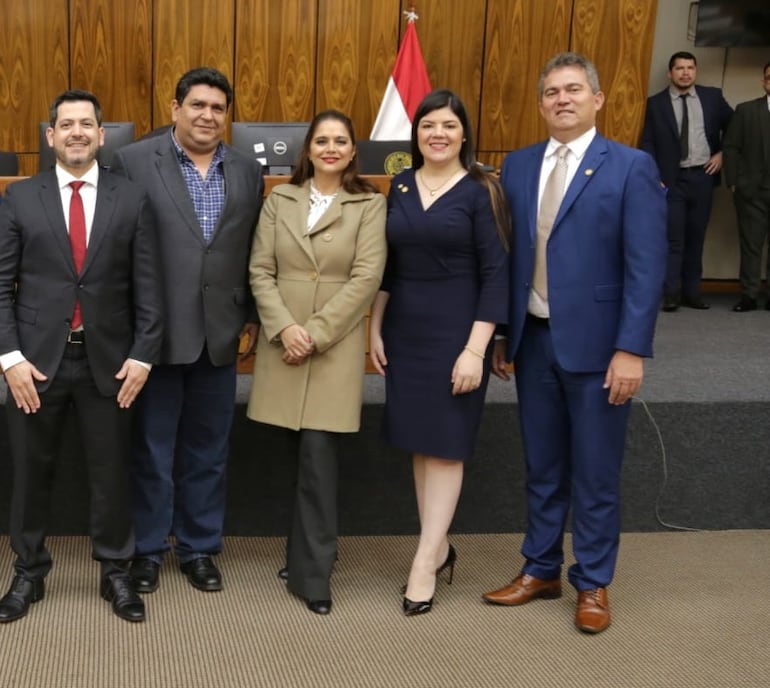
[(357, 45), (188, 34), (111, 56), (617, 35), (520, 38), (275, 60), (452, 40), (34, 68)]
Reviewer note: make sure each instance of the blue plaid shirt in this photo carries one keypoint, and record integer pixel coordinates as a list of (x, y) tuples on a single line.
[(207, 195)]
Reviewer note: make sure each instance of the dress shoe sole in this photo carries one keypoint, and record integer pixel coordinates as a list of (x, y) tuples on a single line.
[(593, 630), (205, 587), (545, 595)]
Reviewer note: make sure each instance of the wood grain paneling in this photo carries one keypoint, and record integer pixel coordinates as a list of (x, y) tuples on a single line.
[(617, 35), (189, 34), (452, 40), (357, 45), (275, 60), (111, 56), (521, 37), (34, 68)]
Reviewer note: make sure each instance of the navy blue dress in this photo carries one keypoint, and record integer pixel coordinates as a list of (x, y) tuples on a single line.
[(446, 268)]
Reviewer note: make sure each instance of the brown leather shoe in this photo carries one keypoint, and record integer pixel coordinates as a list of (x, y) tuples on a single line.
[(524, 588), (593, 610)]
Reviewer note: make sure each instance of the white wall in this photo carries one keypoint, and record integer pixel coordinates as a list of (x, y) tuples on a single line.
[(738, 71)]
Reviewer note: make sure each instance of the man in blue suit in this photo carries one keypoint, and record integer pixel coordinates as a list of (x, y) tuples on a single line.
[(689, 159), (585, 291)]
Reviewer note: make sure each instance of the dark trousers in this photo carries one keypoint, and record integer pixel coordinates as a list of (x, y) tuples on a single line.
[(689, 209), (312, 545), (753, 212), (573, 447), (181, 442), (35, 444)]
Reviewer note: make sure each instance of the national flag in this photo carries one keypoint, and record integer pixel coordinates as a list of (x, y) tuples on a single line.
[(408, 85)]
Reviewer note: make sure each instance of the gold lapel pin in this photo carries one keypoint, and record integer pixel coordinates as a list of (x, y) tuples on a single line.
[(589, 172)]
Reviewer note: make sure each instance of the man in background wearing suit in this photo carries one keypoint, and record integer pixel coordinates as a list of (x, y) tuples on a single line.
[(587, 264), (747, 173), (683, 129), (206, 198), (80, 324)]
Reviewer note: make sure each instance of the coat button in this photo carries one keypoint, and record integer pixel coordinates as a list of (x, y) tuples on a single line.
[(327, 236), (314, 275)]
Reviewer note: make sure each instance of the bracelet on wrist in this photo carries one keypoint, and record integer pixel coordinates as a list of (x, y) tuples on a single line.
[(474, 352)]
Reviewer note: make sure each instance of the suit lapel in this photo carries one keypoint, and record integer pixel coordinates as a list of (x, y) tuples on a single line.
[(105, 207), (532, 182), (668, 110), (173, 181), (50, 201), (589, 165), (294, 222)]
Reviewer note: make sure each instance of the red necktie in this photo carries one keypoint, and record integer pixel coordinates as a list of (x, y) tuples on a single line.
[(77, 241)]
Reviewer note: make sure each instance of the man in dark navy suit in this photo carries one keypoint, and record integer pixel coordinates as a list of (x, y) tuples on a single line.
[(683, 129)]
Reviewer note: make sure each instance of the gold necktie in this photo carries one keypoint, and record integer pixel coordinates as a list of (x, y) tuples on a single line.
[(549, 207)]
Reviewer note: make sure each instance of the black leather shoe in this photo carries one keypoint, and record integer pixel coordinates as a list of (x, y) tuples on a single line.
[(319, 606), (119, 591), (697, 303), (283, 573), (745, 304), (670, 304), (203, 574), (23, 592), (144, 574)]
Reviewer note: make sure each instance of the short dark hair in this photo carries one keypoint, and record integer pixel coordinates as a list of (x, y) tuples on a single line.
[(764, 69), (681, 55), (71, 96), (569, 59), (203, 75), (352, 181)]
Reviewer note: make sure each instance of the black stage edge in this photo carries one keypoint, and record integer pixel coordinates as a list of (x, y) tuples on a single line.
[(717, 463)]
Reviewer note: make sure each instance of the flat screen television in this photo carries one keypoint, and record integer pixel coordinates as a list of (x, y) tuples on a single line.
[(116, 135), (276, 145), (383, 157), (731, 23)]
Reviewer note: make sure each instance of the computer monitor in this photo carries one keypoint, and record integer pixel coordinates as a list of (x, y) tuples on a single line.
[(116, 135), (276, 145), (383, 157)]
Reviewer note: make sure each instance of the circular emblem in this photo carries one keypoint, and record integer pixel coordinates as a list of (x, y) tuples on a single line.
[(280, 147), (397, 162)]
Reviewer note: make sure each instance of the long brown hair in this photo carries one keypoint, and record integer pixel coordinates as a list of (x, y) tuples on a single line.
[(352, 181)]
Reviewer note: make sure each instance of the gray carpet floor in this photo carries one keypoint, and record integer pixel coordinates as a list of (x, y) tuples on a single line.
[(689, 610)]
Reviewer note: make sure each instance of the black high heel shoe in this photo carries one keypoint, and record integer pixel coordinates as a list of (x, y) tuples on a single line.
[(449, 563), (412, 608)]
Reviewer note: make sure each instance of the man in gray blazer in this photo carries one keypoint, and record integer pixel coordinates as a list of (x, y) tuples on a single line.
[(206, 199), (80, 324), (747, 172)]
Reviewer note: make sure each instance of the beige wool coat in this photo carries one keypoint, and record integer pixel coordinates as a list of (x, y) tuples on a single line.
[(324, 281)]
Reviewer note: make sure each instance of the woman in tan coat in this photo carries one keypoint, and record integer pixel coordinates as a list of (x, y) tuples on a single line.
[(316, 264)]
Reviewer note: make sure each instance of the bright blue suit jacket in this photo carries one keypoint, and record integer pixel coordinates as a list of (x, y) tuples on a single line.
[(606, 255)]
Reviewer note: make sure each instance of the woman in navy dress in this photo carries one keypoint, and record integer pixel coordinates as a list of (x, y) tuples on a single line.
[(444, 290)]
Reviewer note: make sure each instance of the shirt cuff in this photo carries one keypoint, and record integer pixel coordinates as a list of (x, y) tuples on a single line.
[(7, 361)]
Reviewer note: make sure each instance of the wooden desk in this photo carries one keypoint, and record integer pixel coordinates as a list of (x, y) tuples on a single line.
[(246, 366)]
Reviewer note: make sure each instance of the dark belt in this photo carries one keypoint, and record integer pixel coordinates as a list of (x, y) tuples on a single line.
[(542, 322), (693, 168), (76, 337)]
